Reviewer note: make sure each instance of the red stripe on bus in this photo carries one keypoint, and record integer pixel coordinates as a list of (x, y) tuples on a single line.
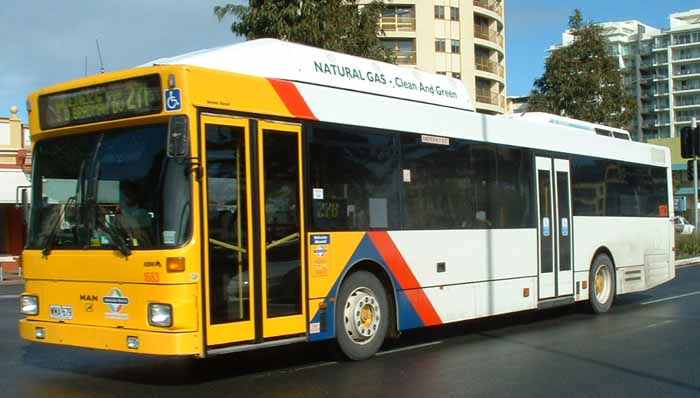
[(292, 99), (421, 303)]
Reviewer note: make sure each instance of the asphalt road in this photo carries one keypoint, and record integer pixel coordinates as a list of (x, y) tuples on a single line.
[(648, 346)]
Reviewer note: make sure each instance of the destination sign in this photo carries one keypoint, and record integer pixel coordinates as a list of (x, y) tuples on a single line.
[(116, 100)]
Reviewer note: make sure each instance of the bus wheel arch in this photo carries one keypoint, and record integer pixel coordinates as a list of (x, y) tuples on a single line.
[(602, 281), (365, 280)]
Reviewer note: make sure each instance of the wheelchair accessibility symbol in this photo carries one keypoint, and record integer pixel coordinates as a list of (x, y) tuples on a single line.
[(173, 100)]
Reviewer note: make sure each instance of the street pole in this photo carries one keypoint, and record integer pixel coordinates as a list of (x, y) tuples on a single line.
[(694, 124)]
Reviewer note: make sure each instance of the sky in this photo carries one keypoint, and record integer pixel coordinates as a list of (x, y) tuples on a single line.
[(533, 25), (45, 42)]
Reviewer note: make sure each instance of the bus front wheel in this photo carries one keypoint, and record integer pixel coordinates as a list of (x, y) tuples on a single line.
[(601, 282), (362, 316)]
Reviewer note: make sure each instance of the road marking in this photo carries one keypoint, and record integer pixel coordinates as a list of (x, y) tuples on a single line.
[(413, 347), (318, 365), (653, 325), (670, 298), (9, 296)]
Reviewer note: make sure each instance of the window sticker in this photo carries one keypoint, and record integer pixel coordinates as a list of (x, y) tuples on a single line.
[(565, 226), (318, 193), (545, 226), (169, 237)]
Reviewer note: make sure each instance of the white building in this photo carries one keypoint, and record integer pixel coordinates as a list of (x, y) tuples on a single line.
[(464, 39), (661, 68)]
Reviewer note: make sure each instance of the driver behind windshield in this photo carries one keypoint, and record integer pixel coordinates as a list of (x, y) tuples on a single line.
[(133, 218)]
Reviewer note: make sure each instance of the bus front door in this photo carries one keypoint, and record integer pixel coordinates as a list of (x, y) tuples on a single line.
[(281, 230), (555, 228), (254, 231)]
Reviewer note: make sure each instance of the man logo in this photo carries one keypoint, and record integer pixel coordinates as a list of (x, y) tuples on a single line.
[(116, 301), (88, 297)]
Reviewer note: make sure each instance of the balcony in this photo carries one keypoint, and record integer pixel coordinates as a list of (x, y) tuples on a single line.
[(491, 5), (686, 72), (686, 39), (685, 118), (397, 24), (646, 80), (679, 87), (487, 65), (405, 57), (487, 97), (492, 35)]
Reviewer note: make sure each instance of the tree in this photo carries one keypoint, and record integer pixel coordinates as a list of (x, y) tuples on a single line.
[(582, 80), (337, 25)]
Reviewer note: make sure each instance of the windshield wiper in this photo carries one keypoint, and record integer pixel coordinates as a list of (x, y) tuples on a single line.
[(51, 239), (116, 234)]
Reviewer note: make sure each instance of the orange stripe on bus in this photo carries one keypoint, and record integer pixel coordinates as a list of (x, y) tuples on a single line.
[(292, 99), (399, 267)]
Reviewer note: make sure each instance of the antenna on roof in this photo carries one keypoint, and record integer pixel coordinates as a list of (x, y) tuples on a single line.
[(99, 54)]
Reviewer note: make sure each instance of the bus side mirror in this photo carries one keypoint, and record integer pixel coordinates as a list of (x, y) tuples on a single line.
[(178, 137), (22, 201)]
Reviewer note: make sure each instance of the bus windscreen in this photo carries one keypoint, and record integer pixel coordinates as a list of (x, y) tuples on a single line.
[(110, 101)]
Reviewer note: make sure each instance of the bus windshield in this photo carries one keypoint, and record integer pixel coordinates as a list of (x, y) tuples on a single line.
[(107, 190)]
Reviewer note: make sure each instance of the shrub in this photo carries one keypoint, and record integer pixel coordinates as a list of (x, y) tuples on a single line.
[(687, 246)]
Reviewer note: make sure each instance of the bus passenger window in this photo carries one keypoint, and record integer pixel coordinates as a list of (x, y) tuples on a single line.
[(355, 177)]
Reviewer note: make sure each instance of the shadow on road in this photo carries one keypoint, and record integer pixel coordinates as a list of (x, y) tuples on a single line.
[(152, 370)]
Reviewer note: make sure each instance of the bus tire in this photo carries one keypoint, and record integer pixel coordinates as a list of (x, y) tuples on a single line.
[(362, 316), (601, 282)]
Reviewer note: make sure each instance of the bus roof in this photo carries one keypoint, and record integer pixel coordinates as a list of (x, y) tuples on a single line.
[(598, 129), (278, 59)]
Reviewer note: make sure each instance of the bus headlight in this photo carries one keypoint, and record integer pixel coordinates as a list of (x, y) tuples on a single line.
[(29, 305), (160, 315)]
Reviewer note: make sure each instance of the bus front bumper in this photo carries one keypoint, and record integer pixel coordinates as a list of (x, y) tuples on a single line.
[(113, 339)]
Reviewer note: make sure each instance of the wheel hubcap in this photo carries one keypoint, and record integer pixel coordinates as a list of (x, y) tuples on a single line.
[(603, 284), (362, 315)]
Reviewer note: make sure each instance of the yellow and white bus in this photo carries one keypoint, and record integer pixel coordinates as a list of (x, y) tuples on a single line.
[(268, 193)]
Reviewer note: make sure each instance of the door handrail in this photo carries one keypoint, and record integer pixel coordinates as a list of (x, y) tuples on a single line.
[(227, 245), (282, 241)]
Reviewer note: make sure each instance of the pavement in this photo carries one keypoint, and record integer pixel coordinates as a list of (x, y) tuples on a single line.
[(647, 346)]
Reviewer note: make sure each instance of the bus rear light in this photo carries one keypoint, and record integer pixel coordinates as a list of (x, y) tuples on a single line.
[(584, 284), (175, 264), (526, 292)]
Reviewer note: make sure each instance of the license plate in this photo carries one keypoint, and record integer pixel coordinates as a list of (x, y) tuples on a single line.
[(62, 312)]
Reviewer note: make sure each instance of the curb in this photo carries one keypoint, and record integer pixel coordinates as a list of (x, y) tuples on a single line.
[(688, 261)]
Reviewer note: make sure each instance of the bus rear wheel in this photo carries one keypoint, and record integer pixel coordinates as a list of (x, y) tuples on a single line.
[(362, 316), (601, 282)]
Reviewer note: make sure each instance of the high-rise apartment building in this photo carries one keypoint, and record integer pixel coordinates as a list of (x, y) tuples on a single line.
[(461, 38), (661, 69)]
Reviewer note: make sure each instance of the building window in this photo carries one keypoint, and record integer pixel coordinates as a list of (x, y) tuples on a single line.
[(405, 50), (441, 73), (398, 19), (439, 12), (455, 48), (440, 45), (454, 13)]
